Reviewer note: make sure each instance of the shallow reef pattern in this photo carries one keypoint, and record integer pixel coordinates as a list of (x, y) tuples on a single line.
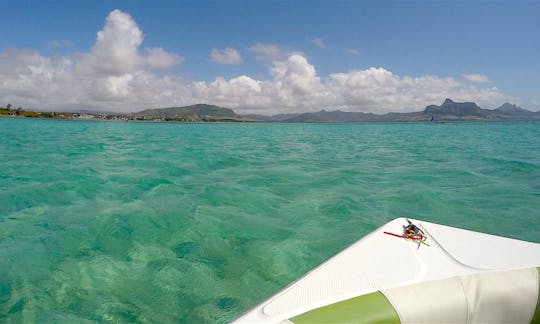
[(197, 223)]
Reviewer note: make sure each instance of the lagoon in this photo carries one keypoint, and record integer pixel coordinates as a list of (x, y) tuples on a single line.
[(179, 222)]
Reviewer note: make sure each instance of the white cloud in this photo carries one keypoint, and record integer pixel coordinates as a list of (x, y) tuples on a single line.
[(295, 86), (379, 90), (116, 75), (104, 78), (159, 58), (476, 78), (115, 50), (319, 42), (227, 55), (267, 52), (296, 77), (119, 86)]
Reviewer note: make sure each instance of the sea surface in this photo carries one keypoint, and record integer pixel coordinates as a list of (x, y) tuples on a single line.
[(197, 223)]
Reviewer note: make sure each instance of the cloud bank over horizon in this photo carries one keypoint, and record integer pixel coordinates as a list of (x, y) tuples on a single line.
[(118, 74)]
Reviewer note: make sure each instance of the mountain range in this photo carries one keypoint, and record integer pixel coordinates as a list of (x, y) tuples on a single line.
[(448, 110)]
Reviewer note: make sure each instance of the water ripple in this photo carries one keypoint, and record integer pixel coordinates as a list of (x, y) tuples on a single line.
[(157, 222)]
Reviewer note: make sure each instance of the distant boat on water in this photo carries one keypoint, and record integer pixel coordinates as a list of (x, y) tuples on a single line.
[(434, 120)]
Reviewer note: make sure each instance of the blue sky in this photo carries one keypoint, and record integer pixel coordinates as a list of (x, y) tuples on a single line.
[(269, 56)]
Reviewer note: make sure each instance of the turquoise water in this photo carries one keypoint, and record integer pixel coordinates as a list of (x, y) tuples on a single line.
[(157, 222)]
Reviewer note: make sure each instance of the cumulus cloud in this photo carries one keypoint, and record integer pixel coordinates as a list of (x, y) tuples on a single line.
[(159, 58), (103, 78), (296, 78), (116, 50), (117, 75), (378, 90), (227, 55), (476, 78)]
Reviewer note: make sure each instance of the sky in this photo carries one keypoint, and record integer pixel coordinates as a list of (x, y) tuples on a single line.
[(268, 57)]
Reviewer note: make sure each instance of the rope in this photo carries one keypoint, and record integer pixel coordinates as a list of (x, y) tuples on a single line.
[(411, 232)]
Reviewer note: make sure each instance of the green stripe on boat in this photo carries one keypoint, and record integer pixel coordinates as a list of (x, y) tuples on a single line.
[(371, 308)]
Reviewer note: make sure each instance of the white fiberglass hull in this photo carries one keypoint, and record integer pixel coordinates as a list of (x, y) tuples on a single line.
[(458, 276)]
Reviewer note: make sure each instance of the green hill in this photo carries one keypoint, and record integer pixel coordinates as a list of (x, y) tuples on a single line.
[(199, 112)]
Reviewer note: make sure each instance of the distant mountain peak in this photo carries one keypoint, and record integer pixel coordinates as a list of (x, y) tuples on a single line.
[(513, 110), (457, 109), (507, 107), (448, 101), (506, 104)]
